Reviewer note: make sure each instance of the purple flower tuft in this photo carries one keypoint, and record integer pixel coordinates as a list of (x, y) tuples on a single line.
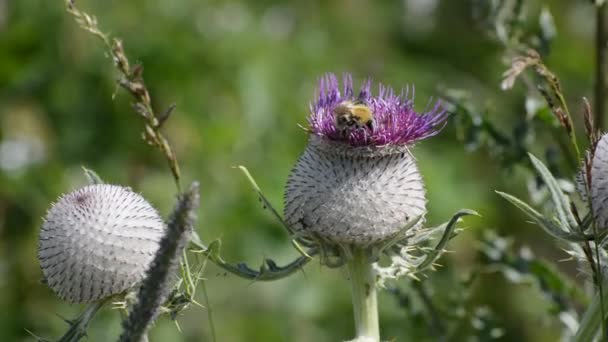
[(395, 121)]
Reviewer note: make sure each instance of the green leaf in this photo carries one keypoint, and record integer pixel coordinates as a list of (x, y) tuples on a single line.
[(591, 321), (400, 235), (553, 283), (524, 268), (268, 271), (548, 226), (447, 235), (560, 201), (92, 176), (297, 239), (265, 201)]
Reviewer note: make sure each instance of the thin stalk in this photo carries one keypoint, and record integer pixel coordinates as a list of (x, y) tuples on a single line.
[(599, 276), (365, 302), (131, 79), (572, 133), (592, 320), (209, 312), (600, 282), (437, 329), (600, 64)]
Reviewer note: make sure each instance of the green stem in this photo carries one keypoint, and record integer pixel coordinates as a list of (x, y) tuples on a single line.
[(78, 327), (365, 303), (600, 280), (209, 312), (572, 133), (600, 64), (592, 319)]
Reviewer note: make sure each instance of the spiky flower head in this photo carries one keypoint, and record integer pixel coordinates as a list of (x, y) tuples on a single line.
[(360, 185), (595, 181), (98, 241)]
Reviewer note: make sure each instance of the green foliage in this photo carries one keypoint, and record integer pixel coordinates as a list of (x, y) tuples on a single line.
[(242, 74)]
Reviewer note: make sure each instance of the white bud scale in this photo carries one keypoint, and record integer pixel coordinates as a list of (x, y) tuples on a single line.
[(98, 241), (359, 196)]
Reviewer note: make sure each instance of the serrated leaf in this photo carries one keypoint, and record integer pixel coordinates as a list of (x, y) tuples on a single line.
[(297, 240), (447, 235), (267, 272), (560, 201), (399, 236), (263, 198), (548, 226)]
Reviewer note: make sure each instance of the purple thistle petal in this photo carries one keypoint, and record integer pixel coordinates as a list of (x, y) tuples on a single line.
[(365, 92), (395, 121)]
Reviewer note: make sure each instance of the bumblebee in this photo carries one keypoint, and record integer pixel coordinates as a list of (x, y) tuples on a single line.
[(350, 115)]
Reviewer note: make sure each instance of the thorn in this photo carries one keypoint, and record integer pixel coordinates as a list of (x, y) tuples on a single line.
[(38, 338), (413, 276), (69, 322)]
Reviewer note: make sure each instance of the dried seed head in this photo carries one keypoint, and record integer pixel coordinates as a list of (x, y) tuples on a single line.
[(98, 241), (358, 196)]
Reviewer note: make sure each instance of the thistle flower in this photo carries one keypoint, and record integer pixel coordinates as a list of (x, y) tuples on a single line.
[(359, 185), (98, 241)]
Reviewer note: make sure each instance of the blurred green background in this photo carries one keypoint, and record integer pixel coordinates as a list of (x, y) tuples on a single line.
[(242, 74)]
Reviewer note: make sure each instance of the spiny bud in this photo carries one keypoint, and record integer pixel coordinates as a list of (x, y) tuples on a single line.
[(353, 196), (356, 182), (599, 182), (98, 241)]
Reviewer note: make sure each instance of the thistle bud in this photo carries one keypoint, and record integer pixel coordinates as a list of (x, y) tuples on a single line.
[(98, 241), (357, 182), (599, 182)]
